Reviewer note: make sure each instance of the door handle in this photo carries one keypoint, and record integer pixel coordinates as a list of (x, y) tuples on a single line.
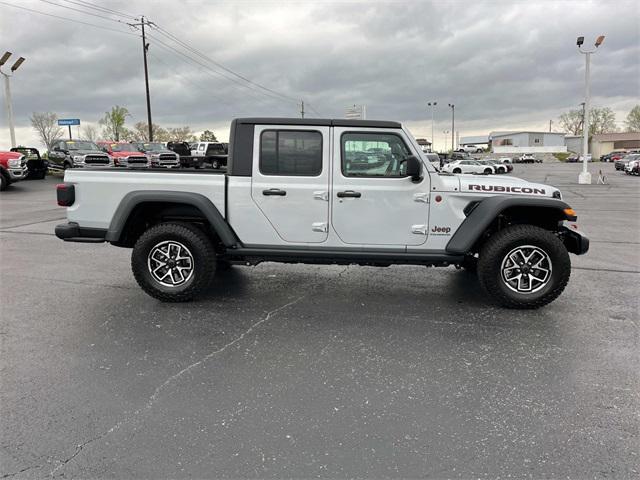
[(274, 191), (349, 194)]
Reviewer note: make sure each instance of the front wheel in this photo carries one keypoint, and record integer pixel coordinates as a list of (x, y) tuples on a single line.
[(173, 262), (488, 171), (524, 266), (4, 183)]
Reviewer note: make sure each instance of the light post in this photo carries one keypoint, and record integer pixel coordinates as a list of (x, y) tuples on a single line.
[(7, 92), (433, 140), (453, 124), (446, 134), (585, 176)]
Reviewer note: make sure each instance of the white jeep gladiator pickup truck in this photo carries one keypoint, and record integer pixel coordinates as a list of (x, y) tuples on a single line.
[(331, 192)]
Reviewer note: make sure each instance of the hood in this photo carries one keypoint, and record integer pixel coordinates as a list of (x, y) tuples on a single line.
[(503, 185), (9, 155)]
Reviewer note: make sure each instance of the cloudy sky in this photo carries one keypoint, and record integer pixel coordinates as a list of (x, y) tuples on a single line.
[(504, 64)]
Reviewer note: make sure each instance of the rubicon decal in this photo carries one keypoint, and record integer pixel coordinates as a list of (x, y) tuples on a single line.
[(502, 189)]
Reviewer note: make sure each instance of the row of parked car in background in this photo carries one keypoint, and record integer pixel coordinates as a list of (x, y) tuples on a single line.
[(66, 154)]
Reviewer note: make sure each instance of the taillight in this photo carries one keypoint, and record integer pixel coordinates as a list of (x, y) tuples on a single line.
[(66, 194)]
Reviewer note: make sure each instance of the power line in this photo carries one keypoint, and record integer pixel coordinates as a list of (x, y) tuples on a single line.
[(67, 19), (219, 65), (100, 8), (82, 11), (207, 68)]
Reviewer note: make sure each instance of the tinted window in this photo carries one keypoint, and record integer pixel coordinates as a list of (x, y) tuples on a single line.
[(373, 155), (291, 152)]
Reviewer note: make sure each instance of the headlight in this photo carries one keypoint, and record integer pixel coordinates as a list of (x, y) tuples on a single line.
[(14, 163), (78, 159)]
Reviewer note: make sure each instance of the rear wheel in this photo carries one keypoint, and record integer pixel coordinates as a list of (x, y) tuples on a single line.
[(173, 262), (488, 171), (457, 170), (524, 266)]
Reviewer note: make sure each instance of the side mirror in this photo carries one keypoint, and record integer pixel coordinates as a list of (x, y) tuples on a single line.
[(56, 149), (414, 169)]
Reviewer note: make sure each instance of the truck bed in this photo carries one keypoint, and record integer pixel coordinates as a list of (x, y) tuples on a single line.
[(99, 191)]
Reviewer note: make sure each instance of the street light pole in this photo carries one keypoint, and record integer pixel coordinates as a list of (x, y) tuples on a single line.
[(433, 139), (7, 93), (453, 124), (585, 177)]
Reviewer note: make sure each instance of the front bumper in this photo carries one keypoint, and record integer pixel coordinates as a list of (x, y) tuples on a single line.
[(575, 241), (18, 173)]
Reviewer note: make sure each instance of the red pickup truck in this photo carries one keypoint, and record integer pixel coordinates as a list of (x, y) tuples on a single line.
[(125, 154), (13, 167)]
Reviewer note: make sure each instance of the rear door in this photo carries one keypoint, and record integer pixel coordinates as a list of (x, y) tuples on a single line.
[(290, 181), (374, 202)]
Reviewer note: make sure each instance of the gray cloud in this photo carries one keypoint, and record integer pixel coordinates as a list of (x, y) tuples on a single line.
[(504, 64)]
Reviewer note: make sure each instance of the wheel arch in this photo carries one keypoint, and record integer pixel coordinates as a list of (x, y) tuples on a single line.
[(139, 210), (494, 213)]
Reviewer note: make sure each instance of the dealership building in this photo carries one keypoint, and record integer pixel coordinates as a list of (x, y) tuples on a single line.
[(527, 142)]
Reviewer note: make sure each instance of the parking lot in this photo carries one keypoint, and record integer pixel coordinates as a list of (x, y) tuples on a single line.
[(317, 371)]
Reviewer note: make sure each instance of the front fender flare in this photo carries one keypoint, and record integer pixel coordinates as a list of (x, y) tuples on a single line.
[(486, 212)]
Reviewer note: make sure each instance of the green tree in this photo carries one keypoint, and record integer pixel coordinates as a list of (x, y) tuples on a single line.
[(208, 136), (113, 123), (633, 120), (46, 126), (601, 120)]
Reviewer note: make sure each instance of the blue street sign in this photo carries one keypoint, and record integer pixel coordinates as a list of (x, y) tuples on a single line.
[(68, 121)]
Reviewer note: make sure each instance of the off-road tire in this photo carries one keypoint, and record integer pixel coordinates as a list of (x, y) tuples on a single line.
[(4, 183), (500, 244), (198, 245)]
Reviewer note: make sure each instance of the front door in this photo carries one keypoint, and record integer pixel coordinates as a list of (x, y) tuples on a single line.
[(290, 181), (373, 201)]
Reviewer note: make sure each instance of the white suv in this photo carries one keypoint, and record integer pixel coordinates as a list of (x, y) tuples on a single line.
[(468, 166), (470, 149)]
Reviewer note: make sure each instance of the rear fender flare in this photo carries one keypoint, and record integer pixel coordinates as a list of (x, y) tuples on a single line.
[(202, 203)]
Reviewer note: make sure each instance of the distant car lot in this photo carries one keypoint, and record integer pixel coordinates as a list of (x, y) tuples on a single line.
[(292, 371)]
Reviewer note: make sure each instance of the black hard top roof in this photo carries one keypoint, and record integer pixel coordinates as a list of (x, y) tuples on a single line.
[(323, 122)]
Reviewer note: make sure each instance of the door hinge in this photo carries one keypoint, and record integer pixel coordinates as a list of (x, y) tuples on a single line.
[(321, 195), (419, 229), (421, 197), (319, 227)]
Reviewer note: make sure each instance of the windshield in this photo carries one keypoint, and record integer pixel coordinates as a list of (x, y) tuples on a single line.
[(123, 147), (81, 146), (153, 146)]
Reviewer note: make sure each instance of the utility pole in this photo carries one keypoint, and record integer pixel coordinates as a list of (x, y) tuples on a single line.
[(7, 93), (433, 139), (585, 176), (550, 122), (145, 48), (301, 108), (453, 124)]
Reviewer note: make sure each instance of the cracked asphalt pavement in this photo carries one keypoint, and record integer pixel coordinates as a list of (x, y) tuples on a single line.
[(317, 371)]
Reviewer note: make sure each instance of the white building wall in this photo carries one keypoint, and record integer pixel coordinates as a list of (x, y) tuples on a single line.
[(528, 149)]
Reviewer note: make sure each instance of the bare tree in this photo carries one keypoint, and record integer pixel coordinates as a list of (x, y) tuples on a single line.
[(141, 132), (89, 132), (633, 120), (46, 125), (208, 136), (601, 120)]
